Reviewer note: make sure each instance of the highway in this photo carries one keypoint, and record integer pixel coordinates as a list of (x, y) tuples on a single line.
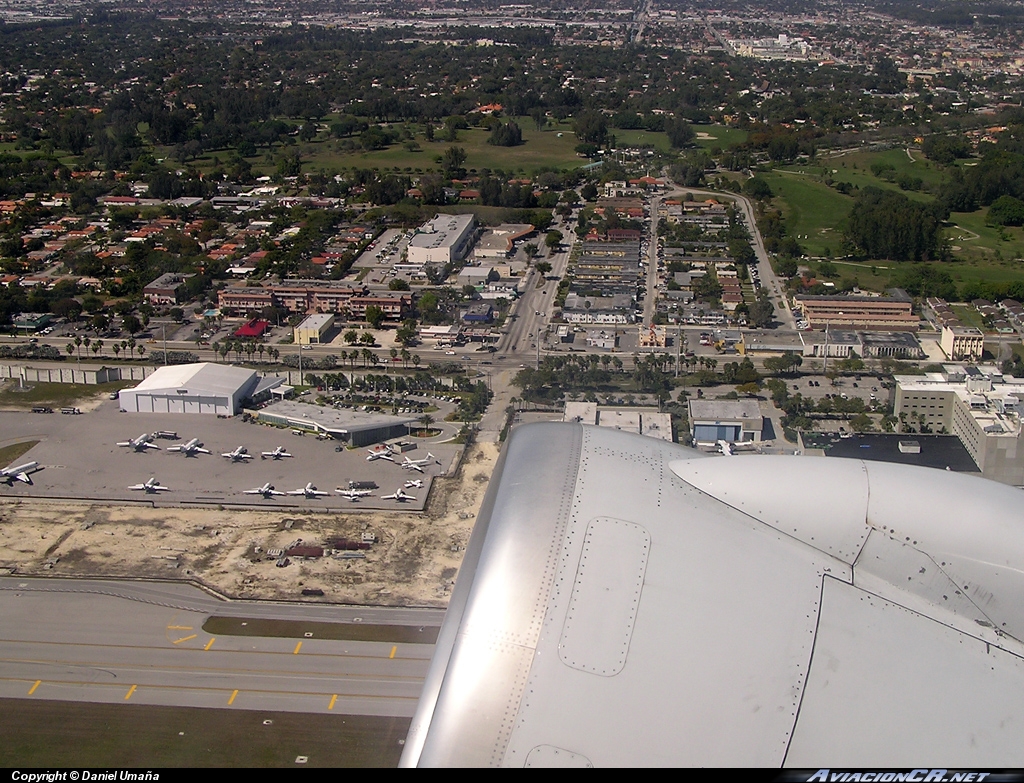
[(143, 643)]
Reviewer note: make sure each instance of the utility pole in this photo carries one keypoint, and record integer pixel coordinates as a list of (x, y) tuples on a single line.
[(163, 329)]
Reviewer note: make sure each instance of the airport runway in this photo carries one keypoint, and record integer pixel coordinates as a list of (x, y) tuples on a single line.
[(143, 643)]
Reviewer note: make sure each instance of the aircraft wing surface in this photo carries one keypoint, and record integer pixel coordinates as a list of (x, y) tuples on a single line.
[(627, 601)]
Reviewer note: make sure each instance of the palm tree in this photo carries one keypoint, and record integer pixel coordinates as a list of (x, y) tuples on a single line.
[(78, 345), (426, 420), (97, 346), (71, 348), (142, 350), (117, 350)]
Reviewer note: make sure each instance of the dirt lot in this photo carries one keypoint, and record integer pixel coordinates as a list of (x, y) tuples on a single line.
[(413, 562)]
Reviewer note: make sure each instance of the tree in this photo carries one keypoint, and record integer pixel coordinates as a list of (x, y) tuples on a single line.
[(507, 135), (375, 316), (591, 126), (761, 311), (680, 133), (553, 239), (452, 161), (543, 267), (787, 363)]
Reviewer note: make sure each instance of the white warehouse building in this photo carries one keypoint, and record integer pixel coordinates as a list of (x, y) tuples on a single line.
[(442, 240), (196, 388)]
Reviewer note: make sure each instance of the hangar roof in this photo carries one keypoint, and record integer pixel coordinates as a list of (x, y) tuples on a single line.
[(216, 378)]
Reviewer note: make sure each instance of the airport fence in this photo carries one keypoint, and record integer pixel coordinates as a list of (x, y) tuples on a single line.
[(84, 375)]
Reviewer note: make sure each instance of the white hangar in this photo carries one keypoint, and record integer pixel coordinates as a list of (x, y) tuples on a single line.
[(196, 388)]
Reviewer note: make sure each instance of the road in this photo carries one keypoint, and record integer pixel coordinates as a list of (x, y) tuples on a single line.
[(114, 642), (769, 280)]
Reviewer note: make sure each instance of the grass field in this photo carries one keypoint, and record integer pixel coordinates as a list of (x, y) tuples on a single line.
[(54, 395), (711, 136), (975, 241), (45, 734), (814, 212), (540, 150), (10, 453), (855, 168), (552, 148)]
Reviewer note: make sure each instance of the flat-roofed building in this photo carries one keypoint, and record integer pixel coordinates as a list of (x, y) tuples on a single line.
[(734, 421), (396, 307), (887, 313), (312, 330), (962, 343), (244, 298), (164, 290), (979, 405), (353, 427), (642, 421), (443, 239), (500, 242)]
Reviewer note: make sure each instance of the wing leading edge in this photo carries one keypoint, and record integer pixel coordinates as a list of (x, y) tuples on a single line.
[(624, 601)]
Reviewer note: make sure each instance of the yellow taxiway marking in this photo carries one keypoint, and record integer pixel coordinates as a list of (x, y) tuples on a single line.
[(393, 651), (131, 690), (232, 699), (184, 639), (209, 644), (179, 627), (38, 682), (334, 698), (297, 648)]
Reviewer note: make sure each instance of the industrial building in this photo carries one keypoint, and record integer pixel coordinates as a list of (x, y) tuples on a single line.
[(734, 421), (312, 330), (354, 427), (442, 240), (197, 388)]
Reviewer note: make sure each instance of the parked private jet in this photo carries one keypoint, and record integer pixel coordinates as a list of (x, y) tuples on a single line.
[(353, 494), (150, 486), (275, 454), (414, 484), (380, 451), (190, 449), (140, 443), (238, 455), (267, 490), (417, 464), (19, 472), (399, 495), (309, 491)]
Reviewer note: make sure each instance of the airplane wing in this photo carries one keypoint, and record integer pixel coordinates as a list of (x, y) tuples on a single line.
[(151, 446), (23, 476), (672, 609), (413, 466)]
